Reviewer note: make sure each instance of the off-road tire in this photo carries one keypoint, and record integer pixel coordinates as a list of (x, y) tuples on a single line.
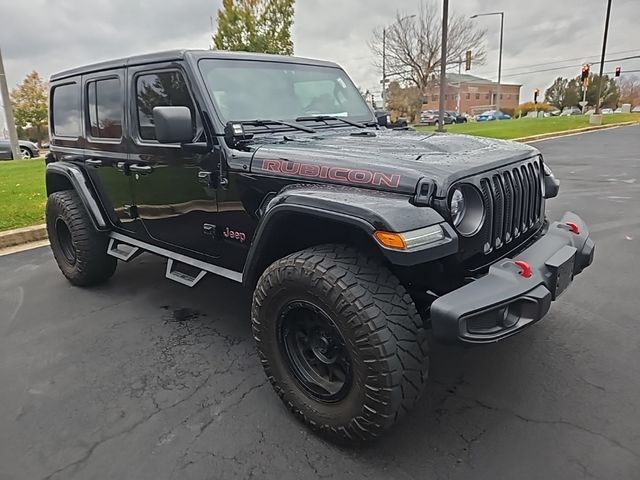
[(383, 331), (80, 250)]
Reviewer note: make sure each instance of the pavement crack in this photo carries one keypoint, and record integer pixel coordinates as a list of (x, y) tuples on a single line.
[(538, 421), (127, 430)]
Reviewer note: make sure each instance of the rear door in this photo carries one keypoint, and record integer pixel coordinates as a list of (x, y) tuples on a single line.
[(105, 154), (174, 197)]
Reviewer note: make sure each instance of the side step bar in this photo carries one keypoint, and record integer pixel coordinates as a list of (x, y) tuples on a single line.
[(126, 248)]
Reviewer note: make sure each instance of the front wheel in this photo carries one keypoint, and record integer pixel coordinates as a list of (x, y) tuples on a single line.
[(26, 153), (340, 341), (79, 249)]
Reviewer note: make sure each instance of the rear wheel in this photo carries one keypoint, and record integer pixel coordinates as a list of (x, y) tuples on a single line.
[(340, 341), (79, 249)]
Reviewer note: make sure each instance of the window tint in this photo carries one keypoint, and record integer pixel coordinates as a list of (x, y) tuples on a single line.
[(160, 90), (104, 99), (66, 110)]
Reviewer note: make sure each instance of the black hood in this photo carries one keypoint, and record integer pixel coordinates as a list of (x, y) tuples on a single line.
[(391, 160)]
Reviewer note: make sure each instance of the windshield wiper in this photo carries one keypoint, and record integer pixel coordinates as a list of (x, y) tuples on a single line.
[(324, 118), (266, 123)]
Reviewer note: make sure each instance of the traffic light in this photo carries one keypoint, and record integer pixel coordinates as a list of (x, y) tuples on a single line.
[(618, 70), (585, 72), (536, 92), (468, 61)]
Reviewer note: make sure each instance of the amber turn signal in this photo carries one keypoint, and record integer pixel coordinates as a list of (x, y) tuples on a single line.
[(390, 240)]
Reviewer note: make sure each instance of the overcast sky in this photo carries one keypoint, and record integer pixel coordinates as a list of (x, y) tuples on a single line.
[(48, 35)]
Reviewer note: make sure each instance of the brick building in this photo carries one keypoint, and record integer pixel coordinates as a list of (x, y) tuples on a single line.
[(476, 95)]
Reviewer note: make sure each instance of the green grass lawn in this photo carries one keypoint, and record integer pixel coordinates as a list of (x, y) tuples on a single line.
[(526, 127), (22, 193)]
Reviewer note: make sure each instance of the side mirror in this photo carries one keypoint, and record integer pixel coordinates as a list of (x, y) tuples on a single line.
[(173, 124)]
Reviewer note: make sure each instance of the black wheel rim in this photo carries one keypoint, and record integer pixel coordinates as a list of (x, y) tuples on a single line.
[(315, 351), (66, 243)]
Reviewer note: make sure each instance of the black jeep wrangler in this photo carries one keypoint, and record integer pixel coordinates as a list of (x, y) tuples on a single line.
[(355, 239)]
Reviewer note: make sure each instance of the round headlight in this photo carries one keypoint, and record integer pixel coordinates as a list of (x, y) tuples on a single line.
[(467, 209), (457, 207)]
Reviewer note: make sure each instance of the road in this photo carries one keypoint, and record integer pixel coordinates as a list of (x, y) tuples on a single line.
[(143, 378)]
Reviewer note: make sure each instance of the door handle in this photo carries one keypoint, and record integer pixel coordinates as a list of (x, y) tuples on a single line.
[(141, 169), (92, 162)]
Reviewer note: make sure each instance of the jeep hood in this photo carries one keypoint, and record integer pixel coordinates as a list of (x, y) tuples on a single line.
[(391, 160)]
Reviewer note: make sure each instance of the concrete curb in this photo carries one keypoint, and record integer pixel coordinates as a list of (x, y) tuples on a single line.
[(567, 133), (19, 236)]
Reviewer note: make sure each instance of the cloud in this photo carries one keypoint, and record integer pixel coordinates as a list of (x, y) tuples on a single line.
[(51, 36)]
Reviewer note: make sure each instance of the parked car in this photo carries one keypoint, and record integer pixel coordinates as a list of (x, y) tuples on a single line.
[(432, 117), (350, 240), (555, 113), (491, 115), (608, 111), (27, 149), (636, 109), (457, 117), (568, 111)]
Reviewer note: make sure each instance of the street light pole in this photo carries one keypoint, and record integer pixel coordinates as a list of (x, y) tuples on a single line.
[(443, 64), (499, 87)]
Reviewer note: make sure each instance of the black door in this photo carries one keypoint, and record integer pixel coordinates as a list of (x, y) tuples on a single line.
[(173, 195), (105, 153)]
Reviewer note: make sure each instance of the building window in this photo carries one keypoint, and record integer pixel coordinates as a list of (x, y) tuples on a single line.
[(434, 98), (508, 97), (66, 110), (104, 99), (477, 96), (446, 97), (160, 90), (501, 96), (487, 96), (468, 96)]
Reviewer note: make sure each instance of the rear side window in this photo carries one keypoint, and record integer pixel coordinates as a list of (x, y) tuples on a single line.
[(160, 89), (66, 110), (104, 102)]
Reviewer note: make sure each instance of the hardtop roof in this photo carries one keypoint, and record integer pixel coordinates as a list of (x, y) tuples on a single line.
[(175, 55)]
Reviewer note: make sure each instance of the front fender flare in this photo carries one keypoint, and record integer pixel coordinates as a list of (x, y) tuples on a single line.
[(365, 210)]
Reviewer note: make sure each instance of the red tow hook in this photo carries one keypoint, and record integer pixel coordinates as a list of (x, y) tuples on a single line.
[(573, 227), (525, 268)]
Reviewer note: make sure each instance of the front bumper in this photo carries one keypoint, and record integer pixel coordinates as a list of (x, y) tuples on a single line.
[(509, 298)]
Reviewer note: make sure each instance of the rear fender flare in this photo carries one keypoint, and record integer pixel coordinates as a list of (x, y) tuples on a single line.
[(62, 175)]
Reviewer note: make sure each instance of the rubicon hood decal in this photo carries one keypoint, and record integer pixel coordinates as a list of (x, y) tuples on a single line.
[(337, 174)]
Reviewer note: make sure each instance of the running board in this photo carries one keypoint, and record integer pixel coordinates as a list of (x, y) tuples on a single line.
[(182, 277), (118, 241), (122, 251)]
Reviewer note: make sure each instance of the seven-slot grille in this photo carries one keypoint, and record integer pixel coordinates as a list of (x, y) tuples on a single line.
[(513, 200)]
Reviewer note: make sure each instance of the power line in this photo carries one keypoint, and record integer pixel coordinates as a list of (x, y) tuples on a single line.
[(564, 67), (565, 60)]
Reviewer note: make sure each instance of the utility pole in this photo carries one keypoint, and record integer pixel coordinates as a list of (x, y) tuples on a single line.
[(443, 64), (604, 52), (459, 85), (8, 112)]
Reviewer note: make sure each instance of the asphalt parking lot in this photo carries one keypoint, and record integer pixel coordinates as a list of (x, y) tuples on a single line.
[(143, 378)]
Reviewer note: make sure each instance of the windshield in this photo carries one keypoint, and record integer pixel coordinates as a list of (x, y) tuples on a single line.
[(246, 90)]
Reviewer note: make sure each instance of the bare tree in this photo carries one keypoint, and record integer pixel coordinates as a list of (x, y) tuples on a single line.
[(630, 90), (413, 44)]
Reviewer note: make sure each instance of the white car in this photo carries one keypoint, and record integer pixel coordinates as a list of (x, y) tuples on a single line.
[(636, 109), (607, 111)]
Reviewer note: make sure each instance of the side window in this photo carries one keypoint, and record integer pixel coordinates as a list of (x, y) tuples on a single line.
[(66, 110), (104, 104), (160, 89)]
